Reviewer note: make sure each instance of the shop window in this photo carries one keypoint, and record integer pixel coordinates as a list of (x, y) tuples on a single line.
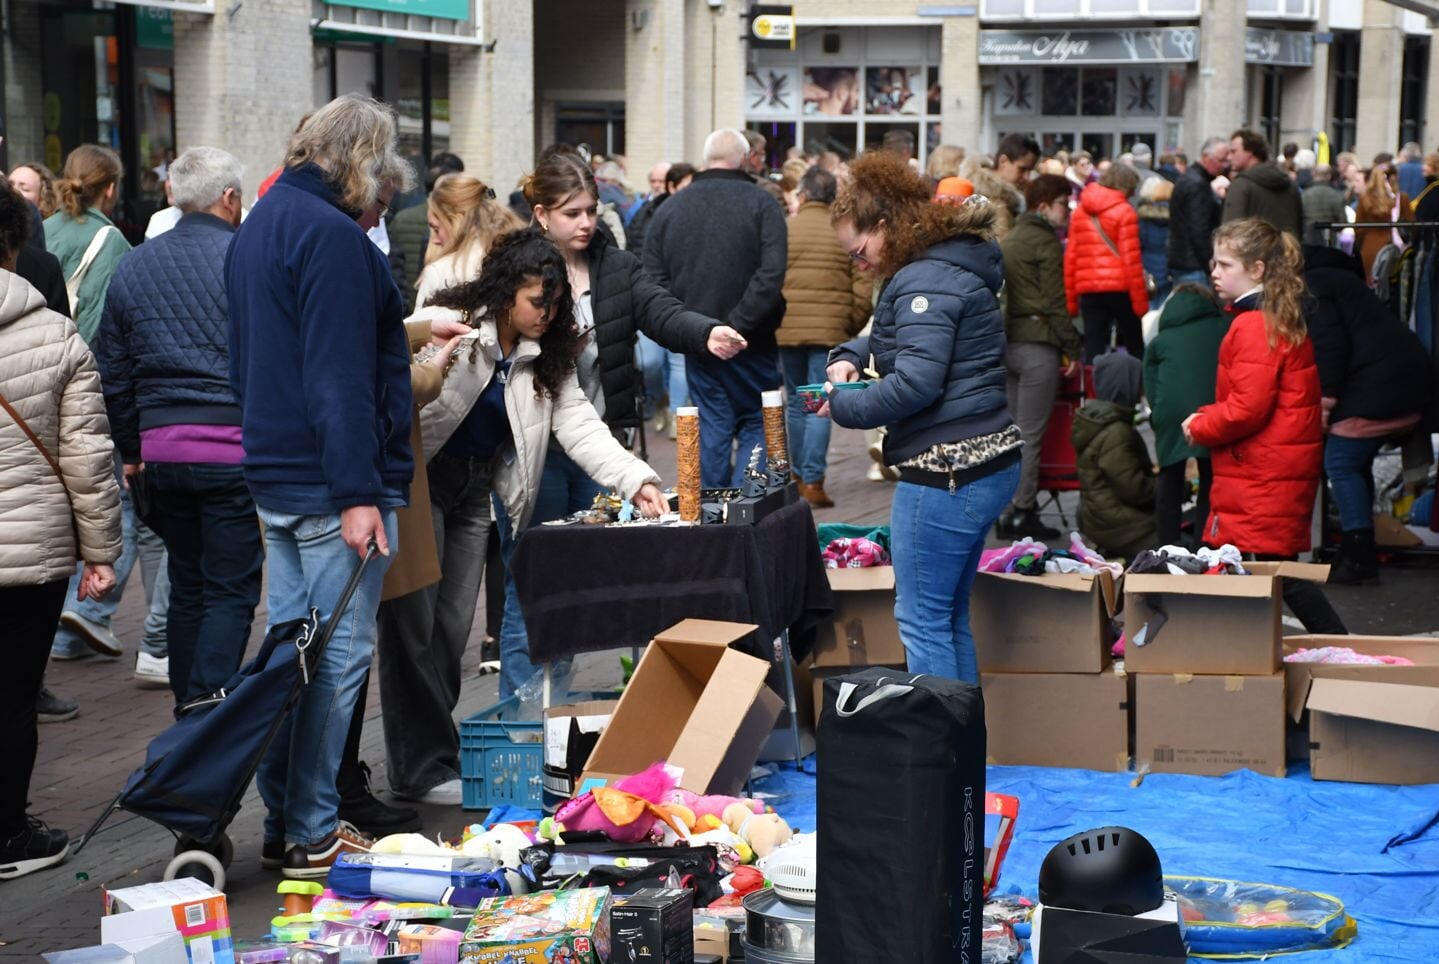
[(894, 90), (1099, 145), (779, 137), (1061, 91), (1016, 92), (1057, 7), (1411, 90), (933, 137), (1344, 89), (1177, 86), (1052, 143), (837, 136), (1141, 92), (772, 92), (1098, 91), (934, 93), (600, 127), (1127, 141), (1271, 96), (832, 90), (874, 134)]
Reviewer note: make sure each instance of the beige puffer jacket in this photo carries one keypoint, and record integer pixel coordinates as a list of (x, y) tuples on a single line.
[(49, 377)]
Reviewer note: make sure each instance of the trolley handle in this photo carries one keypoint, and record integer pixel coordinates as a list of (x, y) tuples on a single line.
[(311, 650)]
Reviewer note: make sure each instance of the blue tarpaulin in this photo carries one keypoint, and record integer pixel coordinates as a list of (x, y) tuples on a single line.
[(1374, 847)]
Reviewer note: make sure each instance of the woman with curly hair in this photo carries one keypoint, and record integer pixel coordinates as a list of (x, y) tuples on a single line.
[(511, 387), (937, 349)]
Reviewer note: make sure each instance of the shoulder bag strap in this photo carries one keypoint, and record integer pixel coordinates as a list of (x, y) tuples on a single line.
[(97, 244), (34, 439), (1103, 236)]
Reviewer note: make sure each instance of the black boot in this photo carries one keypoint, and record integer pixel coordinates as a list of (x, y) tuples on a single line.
[(1028, 523), (1357, 562), (360, 806)]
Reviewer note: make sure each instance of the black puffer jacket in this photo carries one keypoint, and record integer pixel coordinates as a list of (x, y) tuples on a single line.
[(1193, 216), (1368, 359), (626, 300)]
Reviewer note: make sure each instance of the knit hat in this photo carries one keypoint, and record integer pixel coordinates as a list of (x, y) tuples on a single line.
[(952, 189)]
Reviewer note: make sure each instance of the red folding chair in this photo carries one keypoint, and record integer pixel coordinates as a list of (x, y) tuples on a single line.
[(1058, 464)]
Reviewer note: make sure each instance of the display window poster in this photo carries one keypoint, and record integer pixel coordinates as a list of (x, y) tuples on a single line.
[(895, 90), (832, 91)]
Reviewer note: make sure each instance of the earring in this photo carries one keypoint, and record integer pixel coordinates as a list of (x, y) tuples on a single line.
[(545, 228)]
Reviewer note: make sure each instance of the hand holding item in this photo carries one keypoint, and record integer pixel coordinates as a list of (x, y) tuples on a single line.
[(130, 470), (650, 501), (1184, 425), (841, 371), (441, 359), (445, 327), (724, 342), (359, 524), (1070, 369), (96, 582)]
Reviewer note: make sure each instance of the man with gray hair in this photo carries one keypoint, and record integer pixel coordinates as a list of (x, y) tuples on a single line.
[(719, 246), (1194, 212), (162, 348), (1323, 204)]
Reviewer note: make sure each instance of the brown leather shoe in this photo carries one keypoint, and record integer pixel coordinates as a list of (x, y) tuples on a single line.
[(815, 495)]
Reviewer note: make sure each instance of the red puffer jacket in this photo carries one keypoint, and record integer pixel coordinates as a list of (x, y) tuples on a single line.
[(1266, 440), (1090, 265)]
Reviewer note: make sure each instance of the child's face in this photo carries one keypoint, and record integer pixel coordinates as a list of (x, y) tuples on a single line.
[(1057, 212), (1232, 277)]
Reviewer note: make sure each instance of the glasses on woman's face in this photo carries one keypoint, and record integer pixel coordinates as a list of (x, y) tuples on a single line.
[(857, 254)]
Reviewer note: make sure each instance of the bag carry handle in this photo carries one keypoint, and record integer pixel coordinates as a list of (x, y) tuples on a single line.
[(885, 691)]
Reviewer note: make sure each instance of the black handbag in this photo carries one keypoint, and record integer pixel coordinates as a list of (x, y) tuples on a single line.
[(900, 873)]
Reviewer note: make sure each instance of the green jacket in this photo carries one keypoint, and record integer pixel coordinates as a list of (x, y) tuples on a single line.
[(1180, 366), (1034, 308), (67, 239), (407, 237), (1116, 479)]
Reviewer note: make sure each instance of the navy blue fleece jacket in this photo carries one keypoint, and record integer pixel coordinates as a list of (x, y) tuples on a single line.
[(318, 354)]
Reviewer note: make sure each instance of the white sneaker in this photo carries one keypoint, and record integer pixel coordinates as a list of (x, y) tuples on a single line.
[(450, 794), (152, 671), (875, 473)]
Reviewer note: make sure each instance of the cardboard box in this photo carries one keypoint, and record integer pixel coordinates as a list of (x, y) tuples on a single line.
[(571, 733), (1042, 624), (1058, 720), (863, 631), (537, 928), (695, 703), (161, 949), (821, 675), (1220, 625), (1369, 724), (194, 910), (1209, 725), (654, 925)]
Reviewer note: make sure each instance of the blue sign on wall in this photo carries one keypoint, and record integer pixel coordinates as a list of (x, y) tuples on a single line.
[(444, 9)]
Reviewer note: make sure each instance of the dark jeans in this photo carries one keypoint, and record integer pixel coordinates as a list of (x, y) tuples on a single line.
[(727, 395), (205, 514), (1306, 600), (1170, 488), (1101, 312), (1349, 464), (29, 614)]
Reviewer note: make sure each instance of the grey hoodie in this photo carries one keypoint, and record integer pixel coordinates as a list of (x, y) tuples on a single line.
[(1265, 192)]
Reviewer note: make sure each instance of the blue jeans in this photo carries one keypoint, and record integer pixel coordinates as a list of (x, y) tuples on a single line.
[(1178, 278), (936, 538), (1349, 464), (564, 489), (679, 386), (309, 566), (727, 395), (138, 544), (650, 358), (206, 517), (808, 433)]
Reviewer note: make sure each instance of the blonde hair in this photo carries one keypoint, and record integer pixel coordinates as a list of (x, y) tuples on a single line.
[(49, 203), (1379, 194), (944, 162), (354, 140), (468, 208), (1252, 240), (89, 172)]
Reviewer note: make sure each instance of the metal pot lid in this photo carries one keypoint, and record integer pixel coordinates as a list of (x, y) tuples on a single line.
[(766, 903)]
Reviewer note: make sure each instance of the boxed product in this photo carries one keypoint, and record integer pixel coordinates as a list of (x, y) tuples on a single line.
[(156, 949), (1054, 623), (862, 631), (194, 910), (1369, 723), (695, 703), (1209, 725), (1221, 625), (654, 925), (549, 927), (1058, 719)]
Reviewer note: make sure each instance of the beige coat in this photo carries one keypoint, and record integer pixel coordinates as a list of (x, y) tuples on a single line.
[(827, 298), (454, 268), (570, 418), (417, 562), (49, 377)]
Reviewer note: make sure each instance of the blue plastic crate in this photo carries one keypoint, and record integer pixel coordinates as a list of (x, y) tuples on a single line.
[(502, 759)]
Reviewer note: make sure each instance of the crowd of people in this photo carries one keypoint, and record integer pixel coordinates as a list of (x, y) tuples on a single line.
[(421, 385)]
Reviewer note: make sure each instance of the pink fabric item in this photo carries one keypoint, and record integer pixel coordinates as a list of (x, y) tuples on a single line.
[(1343, 655), (854, 554), (583, 814)]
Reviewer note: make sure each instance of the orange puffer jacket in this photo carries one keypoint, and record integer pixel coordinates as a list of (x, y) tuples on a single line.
[(1091, 266)]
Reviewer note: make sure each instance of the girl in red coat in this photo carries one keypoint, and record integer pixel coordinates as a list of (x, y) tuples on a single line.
[(1264, 430), (1103, 270)]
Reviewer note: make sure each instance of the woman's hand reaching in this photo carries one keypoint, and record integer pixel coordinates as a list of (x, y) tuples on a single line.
[(651, 501)]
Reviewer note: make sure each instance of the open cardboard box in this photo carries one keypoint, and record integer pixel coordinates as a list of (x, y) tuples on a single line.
[(1369, 724), (1209, 725), (863, 631), (1058, 719), (1219, 625), (695, 703), (1053, 623)]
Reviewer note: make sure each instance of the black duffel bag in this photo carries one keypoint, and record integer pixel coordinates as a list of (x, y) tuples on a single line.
[(698, 869)]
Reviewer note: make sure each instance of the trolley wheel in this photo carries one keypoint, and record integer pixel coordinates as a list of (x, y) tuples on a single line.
[(221, 849), (200, 864)]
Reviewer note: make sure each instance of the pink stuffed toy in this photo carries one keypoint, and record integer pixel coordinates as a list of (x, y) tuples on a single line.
[(625, 812), (708, 806)]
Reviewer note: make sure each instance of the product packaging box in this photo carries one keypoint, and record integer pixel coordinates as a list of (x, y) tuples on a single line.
[(654, 925), (157, 949), (194, 910), (1058, 719), (695, 703), (863, 631), (571, 733), (1369, 723), (1209, 725), (1219, 625), (549, 927), (1052, 623)]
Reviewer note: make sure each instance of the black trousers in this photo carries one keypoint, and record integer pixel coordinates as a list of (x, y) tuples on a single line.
[(29, 615), (1170, 488), (1106, 310), (1306, 600)]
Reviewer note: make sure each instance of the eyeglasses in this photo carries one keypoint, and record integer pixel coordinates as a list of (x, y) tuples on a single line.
[(858, 253)]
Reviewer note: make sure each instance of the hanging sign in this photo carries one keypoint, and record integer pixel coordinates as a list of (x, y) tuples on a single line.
[(772, 26)]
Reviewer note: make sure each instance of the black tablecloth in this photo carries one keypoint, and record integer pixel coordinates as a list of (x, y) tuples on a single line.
[(585, 588)]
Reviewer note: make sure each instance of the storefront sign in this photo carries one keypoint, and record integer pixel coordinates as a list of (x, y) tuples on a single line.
[(1155, 45), (772, 26), (1281, 48), (442, 9)]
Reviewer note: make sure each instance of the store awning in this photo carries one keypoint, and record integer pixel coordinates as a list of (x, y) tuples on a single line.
[(435, 21), (177, 6)]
